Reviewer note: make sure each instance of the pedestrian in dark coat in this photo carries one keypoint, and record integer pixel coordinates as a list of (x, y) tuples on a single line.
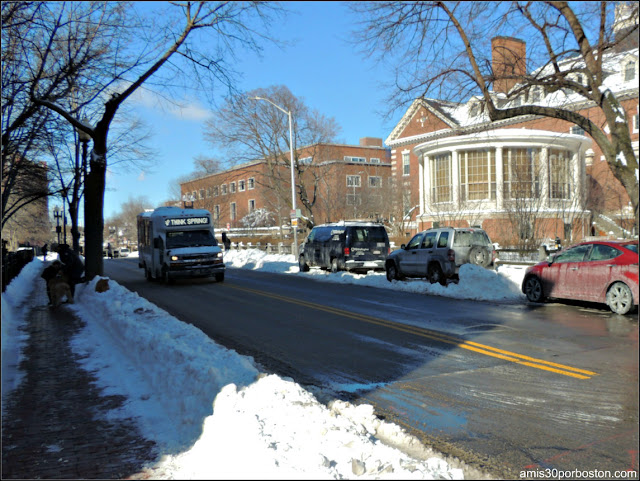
[(44, 252), (49, 273), (226, 241), (73, 266)]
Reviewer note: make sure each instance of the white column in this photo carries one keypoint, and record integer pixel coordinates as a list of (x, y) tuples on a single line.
[(421, 174), (428, 174), (499, 178), (455, 181), (544, 177), (578, 176)]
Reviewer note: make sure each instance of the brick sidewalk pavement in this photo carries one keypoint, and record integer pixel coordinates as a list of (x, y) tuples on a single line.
[(54, 425)]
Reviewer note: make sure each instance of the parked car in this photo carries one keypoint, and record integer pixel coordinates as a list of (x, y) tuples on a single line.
[(346, 245), (437, 254), (595, 271), (124, 252)]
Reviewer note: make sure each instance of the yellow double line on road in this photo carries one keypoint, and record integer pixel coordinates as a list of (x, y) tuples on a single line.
[(436, 336)]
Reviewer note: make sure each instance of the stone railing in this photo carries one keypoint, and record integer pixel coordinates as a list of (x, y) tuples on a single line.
[(279, 248)]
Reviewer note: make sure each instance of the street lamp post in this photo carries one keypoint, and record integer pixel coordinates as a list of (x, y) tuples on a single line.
[(293, 185), (64, 218), (57, 215)]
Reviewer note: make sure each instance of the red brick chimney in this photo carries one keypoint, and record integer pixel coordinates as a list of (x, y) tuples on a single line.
[(370, 142), (509, 62)]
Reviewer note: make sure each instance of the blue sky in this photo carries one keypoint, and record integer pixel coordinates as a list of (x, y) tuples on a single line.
[(318, 65)]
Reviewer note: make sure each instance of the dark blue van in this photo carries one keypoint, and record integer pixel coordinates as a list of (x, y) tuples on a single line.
[(345, 246)]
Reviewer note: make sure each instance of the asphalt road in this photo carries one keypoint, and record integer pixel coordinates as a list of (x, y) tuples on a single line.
[(506, 388)]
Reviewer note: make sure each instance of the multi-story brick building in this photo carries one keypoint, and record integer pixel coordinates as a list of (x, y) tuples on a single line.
[(456, 167), (335, 181), (30, 223)]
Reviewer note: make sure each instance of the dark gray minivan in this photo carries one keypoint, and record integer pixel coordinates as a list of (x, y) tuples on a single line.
[(346, 245)]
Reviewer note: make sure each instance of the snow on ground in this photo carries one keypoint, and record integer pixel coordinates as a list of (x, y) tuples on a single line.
[(211, 412), (475, 283)]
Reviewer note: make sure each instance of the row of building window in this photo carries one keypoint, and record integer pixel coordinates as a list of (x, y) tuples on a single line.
[(372, 160), (521, 174), (355, 181), (352, 181), (233, 210), (223, 189)]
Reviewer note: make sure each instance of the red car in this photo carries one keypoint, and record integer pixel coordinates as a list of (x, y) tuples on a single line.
[(596, 271)]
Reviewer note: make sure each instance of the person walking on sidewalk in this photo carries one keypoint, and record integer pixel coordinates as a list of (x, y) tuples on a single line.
[(44, 251), (73, 265), (49, 273)]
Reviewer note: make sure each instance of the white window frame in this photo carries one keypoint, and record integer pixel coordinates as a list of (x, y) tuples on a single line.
[(406, 163), (374, 160), (252, 205), (354, 181), (349, 158), (233, 211), (576, 130), (232, 187), (375, 181), (537, 94), (223, 189), (629, 65), (251, 183), (488, 179), (241, 185), (354, 199), (441, 193)]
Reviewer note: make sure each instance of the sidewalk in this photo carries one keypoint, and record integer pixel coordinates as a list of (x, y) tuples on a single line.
[(55, 424)]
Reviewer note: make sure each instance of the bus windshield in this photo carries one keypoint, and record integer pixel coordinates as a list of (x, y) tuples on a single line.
[(191, 238)]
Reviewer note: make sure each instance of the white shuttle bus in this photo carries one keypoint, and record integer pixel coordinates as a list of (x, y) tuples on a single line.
[(177, 243)]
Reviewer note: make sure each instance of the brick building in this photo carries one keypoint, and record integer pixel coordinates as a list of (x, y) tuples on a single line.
[(456, 167), (339, 182), (30, 223)]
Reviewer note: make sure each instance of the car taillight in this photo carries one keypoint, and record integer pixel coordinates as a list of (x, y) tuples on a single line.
[(347, 251), (451, 255)]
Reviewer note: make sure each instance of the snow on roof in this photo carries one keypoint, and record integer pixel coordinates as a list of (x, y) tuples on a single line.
[(459, 115)]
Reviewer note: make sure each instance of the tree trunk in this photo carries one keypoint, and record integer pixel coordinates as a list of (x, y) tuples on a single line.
[(95, 183)]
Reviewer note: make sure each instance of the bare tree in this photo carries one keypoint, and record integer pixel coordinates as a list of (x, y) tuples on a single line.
[(206, 165), (125, 221), (26, 129), (445, 48), (250, 130), (132, 50), (523, 199)]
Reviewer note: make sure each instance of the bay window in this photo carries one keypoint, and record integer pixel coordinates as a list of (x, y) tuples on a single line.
[(521, 173), (477, 174), (441, 187), (560, 174)]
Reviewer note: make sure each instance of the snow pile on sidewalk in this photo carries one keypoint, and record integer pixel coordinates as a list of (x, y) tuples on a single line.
[(211, 413)]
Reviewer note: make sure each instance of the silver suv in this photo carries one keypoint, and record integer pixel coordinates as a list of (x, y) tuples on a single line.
[(437, 254)]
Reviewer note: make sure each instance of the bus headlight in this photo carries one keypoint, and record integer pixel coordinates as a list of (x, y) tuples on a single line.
[(174, 258)]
